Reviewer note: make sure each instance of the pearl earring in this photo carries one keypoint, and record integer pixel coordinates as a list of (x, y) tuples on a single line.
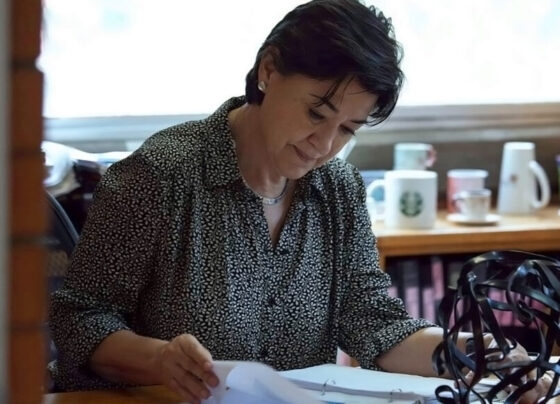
[(261, 86)]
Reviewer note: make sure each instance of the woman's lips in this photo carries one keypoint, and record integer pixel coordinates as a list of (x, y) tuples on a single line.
[(303, 156)]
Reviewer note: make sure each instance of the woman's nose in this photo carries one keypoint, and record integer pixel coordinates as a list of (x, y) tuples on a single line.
[(323, 140)]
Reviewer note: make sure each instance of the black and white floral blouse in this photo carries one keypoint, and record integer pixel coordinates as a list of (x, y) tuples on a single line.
[(175, 243)]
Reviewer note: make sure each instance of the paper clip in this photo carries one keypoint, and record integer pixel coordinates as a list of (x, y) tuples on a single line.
[(324, 387)]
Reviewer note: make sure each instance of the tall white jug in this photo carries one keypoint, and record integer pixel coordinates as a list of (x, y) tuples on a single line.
[(519, 175)]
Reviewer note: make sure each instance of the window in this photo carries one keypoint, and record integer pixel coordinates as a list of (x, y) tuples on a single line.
[(110, 58), (145, 57), (478, 51)]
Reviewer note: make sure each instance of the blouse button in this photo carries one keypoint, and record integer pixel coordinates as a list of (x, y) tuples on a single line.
[(264, 352), (284, 251), (271, 301)]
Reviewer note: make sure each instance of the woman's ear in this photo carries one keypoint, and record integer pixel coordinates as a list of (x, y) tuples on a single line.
[(267, 65)]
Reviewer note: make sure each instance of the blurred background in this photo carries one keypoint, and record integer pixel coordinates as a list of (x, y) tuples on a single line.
[(477, 73)]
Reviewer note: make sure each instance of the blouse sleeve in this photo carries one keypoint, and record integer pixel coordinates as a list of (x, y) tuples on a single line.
[(371, 321), (109, 268)]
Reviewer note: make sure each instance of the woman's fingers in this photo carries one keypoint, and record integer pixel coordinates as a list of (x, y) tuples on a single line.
[(187, 384), (186, 368), (538, 392), (507, 365), (197, 360), (191, 383), (469, 377), (184, 393)]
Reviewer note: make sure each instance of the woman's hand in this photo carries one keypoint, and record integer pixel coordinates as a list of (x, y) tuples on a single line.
[(519, 354), (185, 366)]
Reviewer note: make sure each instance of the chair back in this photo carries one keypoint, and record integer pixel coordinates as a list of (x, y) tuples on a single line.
[(61, 239)]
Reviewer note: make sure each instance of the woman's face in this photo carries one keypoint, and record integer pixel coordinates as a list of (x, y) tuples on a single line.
[(300, 131)]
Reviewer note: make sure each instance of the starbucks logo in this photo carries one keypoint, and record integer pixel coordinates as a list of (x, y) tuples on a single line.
[(411, 203)]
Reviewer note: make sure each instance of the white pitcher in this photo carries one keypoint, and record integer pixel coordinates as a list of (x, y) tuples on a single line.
[(518, 180)]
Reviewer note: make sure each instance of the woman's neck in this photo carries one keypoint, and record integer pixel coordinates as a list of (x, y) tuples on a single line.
[(252, 157)]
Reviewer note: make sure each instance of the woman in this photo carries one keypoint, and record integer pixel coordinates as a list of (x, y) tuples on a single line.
[(239, 236)]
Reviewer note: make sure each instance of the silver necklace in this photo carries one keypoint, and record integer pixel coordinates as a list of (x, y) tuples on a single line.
[(265, 199)]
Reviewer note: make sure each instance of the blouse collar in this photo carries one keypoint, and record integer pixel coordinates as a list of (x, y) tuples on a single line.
[(221, 160)]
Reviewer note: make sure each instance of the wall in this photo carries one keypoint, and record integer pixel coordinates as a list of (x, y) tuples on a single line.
[(3, 192), (27, 209)]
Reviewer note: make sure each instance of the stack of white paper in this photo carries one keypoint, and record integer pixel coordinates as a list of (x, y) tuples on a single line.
[(254, 383)]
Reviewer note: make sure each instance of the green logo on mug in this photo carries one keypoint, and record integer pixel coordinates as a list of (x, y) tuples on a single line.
[(411, 203)]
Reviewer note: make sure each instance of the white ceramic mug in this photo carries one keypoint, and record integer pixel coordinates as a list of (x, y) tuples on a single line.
[(375, 201), (463, 179), (473, 204), (410, 198), (518, 180), (413, 156)]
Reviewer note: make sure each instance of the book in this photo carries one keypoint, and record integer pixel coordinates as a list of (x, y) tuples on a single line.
[(367, 383), (253, 382), (256, 383)]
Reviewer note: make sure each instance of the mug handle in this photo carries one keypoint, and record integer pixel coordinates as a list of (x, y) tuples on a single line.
[(379, 183), (431, 158), (458, 202), (543, 184)]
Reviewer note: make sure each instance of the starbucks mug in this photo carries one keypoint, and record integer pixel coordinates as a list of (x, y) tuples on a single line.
[(410, 198)]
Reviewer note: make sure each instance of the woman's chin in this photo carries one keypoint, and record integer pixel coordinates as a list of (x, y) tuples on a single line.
[(295, 173)]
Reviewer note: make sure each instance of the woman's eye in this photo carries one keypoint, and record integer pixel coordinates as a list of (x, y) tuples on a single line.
[(348, 131), (315, 115)]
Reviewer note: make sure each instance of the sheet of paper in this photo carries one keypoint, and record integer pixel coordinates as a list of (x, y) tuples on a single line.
[(252, 382)]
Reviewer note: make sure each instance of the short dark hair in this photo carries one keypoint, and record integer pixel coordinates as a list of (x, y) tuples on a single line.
[(335, 40)]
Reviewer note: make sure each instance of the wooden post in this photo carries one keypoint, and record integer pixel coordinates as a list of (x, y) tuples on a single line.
[(27, 208)]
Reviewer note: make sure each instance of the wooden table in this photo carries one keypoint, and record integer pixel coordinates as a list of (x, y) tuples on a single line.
[(138, 395), (537, 232)]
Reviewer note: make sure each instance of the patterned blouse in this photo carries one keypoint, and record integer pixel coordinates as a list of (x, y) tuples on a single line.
[(175, 243)]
